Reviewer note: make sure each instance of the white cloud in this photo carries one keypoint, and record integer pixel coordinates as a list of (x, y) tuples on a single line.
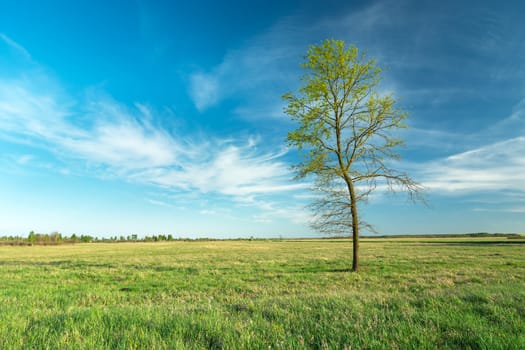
[(25, 159), (232, 170), (123, 141), (487, 161), (495, 167), (123, 138), (115, 138), (23, 111), (516, 210), (102, 136), (157, 202), (204, 90)]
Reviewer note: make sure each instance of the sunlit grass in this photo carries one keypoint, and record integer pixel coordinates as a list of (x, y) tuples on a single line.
[(411, 293)]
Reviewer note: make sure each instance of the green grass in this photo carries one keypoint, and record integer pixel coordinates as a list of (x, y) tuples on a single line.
[(410, 294)]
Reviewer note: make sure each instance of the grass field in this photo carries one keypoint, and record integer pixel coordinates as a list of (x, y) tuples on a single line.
[(410, 294)]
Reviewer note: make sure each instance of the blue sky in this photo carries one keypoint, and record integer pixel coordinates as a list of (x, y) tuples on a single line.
[(155, 117)]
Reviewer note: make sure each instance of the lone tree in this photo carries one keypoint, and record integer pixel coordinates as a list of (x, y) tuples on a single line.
[(344, 135)]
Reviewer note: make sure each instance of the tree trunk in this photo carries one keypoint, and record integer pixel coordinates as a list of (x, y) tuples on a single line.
[(355, 238), (355, 227), (351, 191)]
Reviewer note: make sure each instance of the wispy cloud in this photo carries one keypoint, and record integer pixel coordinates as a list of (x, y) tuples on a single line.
[(516, 210), (229, 169), (271, 59), (24, 159), (514, 124), (441, 143), (15, 46), (114, 135), (123, 138), (268, 60), (158, 203), (111, 138), (488, 160), (423, 44), (204, 90), (125, 142), (272, 210), (495, 167)]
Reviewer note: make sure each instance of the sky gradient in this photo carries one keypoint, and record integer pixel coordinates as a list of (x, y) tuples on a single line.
[(149, 117)]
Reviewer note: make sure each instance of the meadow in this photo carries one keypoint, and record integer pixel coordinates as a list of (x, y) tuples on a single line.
[(410, 294)]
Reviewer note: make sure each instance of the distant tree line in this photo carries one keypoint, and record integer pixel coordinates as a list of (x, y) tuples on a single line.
[(452, 235), (56, 238)]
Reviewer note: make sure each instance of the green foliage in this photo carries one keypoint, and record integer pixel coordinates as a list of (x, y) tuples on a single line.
[(447, 293), (343, 123), (86, 238), (31, 238)]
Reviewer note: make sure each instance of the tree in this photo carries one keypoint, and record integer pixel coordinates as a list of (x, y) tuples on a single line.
[(345, 136), (86, 238), (31, 238)]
